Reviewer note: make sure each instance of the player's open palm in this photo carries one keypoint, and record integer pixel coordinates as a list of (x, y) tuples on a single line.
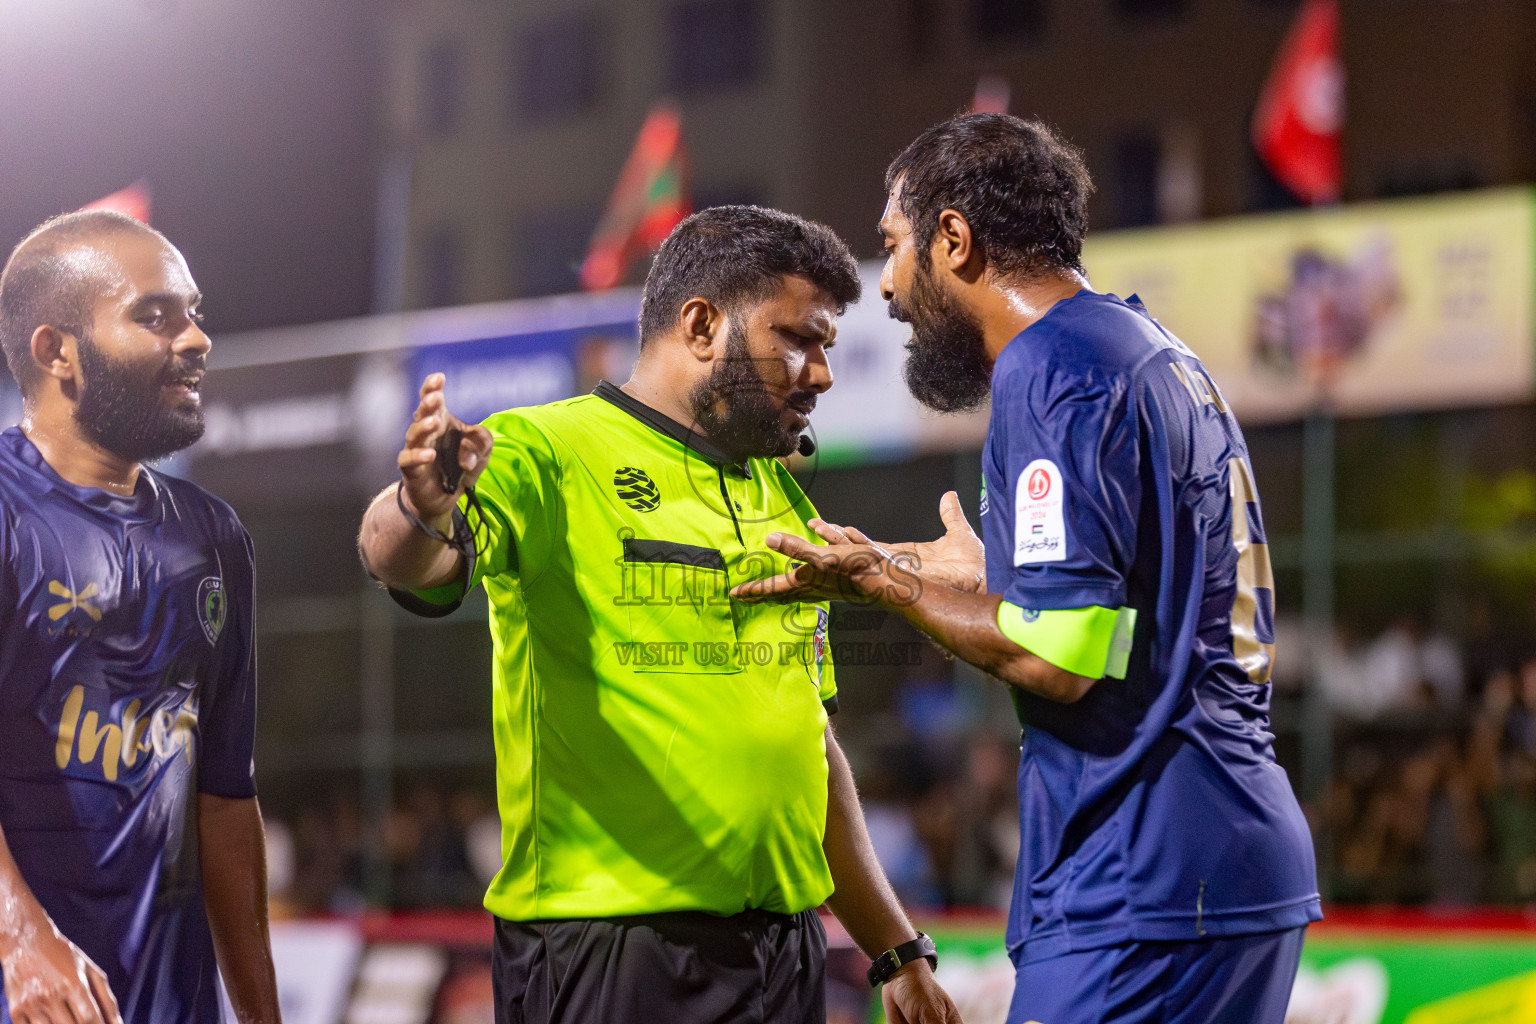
[(958, 559), (914, 996), (48, 980), (840, 570), (425, 486)]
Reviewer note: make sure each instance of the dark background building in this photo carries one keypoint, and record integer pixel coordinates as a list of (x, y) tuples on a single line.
[(517, 118)]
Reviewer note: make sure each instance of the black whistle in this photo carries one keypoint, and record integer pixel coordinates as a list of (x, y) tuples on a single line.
[(449, 472)]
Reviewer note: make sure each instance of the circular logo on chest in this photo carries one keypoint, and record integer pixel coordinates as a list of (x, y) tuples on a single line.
[(636, 489)]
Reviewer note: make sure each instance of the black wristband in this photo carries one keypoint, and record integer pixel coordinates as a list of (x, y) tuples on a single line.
[(892, 960), (462, 539)]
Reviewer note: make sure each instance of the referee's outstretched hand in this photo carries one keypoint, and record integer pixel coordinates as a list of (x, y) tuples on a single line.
[(423, 486), (49, 981), (912, 996)]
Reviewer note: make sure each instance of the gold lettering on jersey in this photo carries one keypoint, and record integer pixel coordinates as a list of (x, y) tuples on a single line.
[(109, 737), (133, 728), (1183, 378), (166, 732), (1199, 386), (1253, 574), (1209, 387), (66, 741), (72, 601)]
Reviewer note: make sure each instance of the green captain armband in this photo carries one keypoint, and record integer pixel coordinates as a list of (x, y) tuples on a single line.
[(1091, 642)]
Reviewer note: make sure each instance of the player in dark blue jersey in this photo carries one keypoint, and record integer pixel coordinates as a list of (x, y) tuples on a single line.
[(131, 856), (1165, 871)]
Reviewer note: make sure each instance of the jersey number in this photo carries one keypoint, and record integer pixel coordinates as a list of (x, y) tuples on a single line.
[(1253, 607)]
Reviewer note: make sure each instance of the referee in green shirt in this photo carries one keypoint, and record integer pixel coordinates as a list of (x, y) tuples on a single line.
[(673, 804)]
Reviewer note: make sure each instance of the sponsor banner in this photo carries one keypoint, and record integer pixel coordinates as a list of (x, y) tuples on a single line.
[(1358, 967), (323, 429), (315, 963), (397, 984), (1398, 968), (486, 375), (320, 412), (1379, 308)]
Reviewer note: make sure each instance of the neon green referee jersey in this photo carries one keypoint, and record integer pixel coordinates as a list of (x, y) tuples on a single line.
[(658, 746)]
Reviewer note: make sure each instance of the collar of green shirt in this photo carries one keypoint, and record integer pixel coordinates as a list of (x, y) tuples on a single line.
[(665, 424)]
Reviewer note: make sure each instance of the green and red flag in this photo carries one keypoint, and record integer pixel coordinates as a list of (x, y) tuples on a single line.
[(649, 200), (133, 201)]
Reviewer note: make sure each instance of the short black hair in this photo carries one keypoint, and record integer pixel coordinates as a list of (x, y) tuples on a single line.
[(738, 255), (40, 285), (1019, 184)]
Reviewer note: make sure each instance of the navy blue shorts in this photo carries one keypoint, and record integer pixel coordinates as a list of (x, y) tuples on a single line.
[(1212, 981)]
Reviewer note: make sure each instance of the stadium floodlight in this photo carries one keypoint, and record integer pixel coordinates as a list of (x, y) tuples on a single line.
[(34, 22)]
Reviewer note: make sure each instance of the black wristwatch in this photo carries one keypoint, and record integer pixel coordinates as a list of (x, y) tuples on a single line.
[(892, 960)]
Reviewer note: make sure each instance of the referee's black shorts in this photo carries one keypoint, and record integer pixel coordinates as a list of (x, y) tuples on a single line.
[(755, 967)]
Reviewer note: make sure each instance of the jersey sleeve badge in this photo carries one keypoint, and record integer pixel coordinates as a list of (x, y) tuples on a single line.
[(1039, 523), (819, 641), (212, 607)]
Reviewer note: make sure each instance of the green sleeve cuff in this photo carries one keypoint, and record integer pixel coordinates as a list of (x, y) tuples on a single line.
[(1091, 642)]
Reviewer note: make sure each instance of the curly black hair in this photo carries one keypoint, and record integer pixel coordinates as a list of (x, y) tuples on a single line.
[(738, 255), (1019, 184)]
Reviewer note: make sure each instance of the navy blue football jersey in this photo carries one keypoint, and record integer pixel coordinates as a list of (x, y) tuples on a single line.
[(127, 686), (1152, 809)]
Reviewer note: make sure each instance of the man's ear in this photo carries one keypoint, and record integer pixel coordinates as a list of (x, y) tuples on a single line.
[(954, 247), (703, 327), (54, 353)]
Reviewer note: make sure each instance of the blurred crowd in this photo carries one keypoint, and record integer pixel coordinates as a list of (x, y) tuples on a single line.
[(1403, 669), (937, 782), (1436, 802), (1432, 798), (938, 794), (441, 849), (946, 827)]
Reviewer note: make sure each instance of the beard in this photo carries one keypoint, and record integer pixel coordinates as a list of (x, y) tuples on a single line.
[(735, 408), (947, 367), (123, 409)]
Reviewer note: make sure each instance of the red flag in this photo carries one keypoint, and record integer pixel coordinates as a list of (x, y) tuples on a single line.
[(649, 200), (1298, 125), (133, 201), (991, 96)]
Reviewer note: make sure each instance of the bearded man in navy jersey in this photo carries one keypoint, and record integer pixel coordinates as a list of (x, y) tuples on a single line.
[(132, 865), (1121, 588)]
